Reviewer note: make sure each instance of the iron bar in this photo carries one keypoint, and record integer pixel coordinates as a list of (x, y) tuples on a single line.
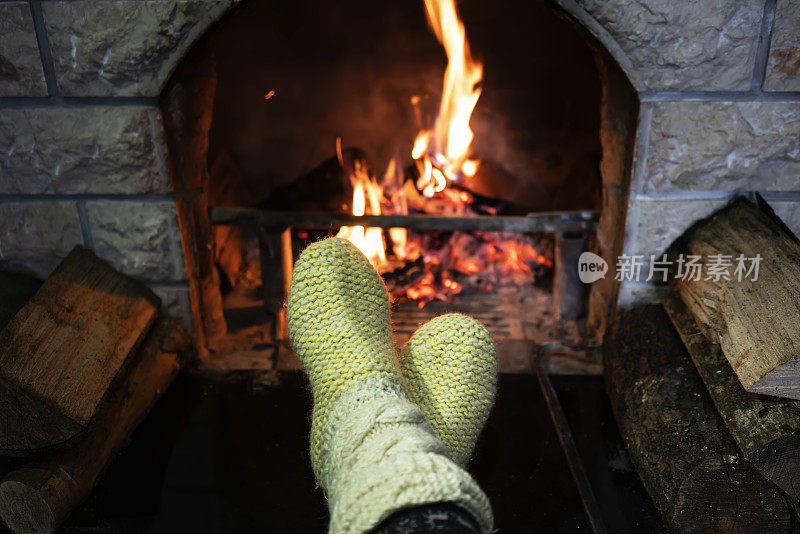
[(584, 487), (545, 222), (568, 291)]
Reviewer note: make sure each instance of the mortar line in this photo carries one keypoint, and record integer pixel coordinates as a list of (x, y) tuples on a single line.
[(687, 194), (56, 101), (86, 230), (45, 52), (163, 284), (780, 195), (681, 195), (83, 197), (762, 49), (719, 96)]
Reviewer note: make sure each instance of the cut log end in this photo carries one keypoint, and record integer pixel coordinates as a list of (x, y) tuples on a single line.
[(780, 461), (782, 381), (29, 424), (23, 509), (722, 495)]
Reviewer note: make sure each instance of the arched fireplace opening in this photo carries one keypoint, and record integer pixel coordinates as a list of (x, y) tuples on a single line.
[(279, 103)]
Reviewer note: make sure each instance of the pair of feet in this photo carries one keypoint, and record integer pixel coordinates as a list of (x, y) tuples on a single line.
[(386, 434)]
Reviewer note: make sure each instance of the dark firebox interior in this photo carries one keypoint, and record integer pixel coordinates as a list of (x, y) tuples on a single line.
[(292, 78), (349, 69)]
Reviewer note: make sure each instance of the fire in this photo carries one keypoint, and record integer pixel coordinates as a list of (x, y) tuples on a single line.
[(440, 266), (442, 152), (367, 196)]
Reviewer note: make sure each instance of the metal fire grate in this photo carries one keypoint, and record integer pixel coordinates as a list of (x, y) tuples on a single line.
[(508, 316)]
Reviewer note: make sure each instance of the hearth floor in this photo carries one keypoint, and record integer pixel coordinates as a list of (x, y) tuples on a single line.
[(232, 457)]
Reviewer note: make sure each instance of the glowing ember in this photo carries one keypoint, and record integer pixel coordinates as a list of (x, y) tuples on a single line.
[(471, 262)]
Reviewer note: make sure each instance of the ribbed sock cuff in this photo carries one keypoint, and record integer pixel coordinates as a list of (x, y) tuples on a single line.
[(380, 456)]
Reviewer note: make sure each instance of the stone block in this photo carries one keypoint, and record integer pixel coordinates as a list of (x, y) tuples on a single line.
[(123, 48), (114, 150), (685, 45), (632, 294), (36, 236), (783, 65), (721, 146), (653, 224), (789, 212), (141, 239), (175, 303), (21, 71)]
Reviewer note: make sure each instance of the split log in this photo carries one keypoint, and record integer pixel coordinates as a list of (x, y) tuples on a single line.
[(766, 429), (63, 349), (756, 322), (683, 453), (37, 497)]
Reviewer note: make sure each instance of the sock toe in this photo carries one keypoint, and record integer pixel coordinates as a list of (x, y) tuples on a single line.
[(450, 371)]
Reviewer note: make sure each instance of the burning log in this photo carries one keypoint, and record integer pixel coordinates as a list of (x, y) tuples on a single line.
[(37, 497), (61, 352), (753, 310), (767, 430), (492, 181), (686, 459), (326, 188)]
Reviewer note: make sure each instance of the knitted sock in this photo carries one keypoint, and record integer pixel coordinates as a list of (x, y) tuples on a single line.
[(450, 369), (371, 448)]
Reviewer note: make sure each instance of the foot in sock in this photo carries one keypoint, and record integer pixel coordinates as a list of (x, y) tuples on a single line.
[(372, 450), (450, 369)]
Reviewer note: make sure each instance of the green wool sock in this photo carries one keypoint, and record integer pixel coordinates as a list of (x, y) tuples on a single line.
[(450, 369), (372, 450)]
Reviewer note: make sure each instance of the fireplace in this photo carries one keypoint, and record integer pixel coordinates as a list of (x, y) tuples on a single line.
[(197, 145), (269, 150)]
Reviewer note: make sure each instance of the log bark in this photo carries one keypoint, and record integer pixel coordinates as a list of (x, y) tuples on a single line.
[(766, 429), (61, 352), (683, 453), (37, 497), (756, 322)]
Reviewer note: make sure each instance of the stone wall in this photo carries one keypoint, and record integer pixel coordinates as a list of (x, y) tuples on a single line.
[(720, 110), (83, 160), (82, 151)]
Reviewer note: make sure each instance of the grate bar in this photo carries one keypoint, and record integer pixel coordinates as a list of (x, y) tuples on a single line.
[(555, 222)]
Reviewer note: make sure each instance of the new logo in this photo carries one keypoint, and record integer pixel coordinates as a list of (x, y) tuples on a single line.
[(591, 267)]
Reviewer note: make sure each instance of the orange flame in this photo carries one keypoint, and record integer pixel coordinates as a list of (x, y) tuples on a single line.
[(366, 197), (435, 268), (444, 149)]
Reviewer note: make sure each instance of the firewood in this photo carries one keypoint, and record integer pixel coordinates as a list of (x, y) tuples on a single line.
[(327, 187), (683, 453), (64, 348), (40, 495), (766, 429), (756, 322)]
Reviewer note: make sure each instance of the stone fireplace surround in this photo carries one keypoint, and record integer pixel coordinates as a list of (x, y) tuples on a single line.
[(83, 158)]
